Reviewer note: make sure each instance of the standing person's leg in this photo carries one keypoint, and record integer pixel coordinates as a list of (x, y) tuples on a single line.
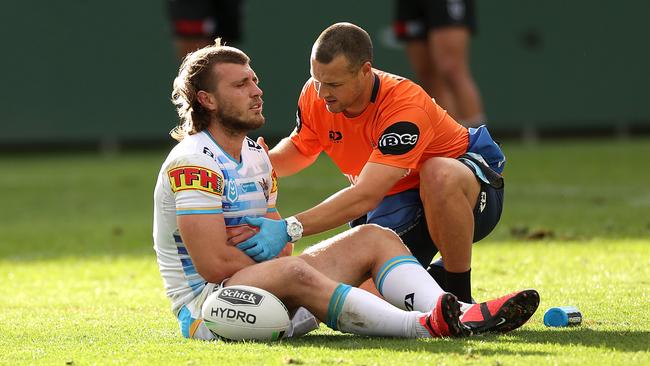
[(428, 75), (450, 27), (412, 22), (449, 47)]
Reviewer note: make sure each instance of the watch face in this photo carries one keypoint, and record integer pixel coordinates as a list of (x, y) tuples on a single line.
[(294, 229)]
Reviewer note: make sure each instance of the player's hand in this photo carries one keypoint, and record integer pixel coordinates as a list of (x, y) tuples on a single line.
[(260, 141), (269, 242), (238, 234)]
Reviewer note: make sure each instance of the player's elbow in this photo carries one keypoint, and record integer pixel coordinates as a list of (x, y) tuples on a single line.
[(213, 273)]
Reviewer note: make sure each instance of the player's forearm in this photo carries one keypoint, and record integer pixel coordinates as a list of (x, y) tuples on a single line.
[(224, 264), (205, 237), (287, 159), (340, 208)]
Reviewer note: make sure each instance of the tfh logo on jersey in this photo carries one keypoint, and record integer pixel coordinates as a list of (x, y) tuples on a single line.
[(399, 138), (240, 297), (195, 178)]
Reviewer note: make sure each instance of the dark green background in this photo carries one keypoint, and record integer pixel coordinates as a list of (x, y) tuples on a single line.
[(98, 71)]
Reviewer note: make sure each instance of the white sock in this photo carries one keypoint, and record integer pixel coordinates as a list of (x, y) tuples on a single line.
[(352, 310), (406, 284)]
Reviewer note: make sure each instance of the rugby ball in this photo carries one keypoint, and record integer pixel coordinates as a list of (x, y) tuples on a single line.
[(245, 313)]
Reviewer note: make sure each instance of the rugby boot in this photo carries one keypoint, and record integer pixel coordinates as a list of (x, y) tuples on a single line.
[(501, 315), (444, 319)]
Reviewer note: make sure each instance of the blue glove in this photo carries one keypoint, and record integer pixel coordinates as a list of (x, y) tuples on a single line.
[(269, 242)]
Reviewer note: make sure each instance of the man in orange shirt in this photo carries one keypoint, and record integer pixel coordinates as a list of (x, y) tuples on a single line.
[(412, 168)]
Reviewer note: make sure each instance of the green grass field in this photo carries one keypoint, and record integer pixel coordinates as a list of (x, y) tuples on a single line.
[(80, 284)]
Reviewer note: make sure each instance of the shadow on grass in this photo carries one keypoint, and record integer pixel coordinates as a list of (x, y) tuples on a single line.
[(348, 342), (623, 341)]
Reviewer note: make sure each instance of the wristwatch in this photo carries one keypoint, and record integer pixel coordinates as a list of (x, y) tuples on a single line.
[(294, 228)]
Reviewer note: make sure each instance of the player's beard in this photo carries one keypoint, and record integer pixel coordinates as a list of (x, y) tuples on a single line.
[(235, 122)]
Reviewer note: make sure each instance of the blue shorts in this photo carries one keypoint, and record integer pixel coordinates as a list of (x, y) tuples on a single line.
[(403, 212)]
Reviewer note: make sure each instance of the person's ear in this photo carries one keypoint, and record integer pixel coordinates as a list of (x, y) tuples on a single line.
[(366, 68), (207, 100)]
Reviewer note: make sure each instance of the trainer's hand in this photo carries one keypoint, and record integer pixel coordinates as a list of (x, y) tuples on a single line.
[(269, 242), (260, 141)]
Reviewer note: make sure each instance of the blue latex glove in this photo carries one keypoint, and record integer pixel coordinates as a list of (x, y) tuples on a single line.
[(269, 242)]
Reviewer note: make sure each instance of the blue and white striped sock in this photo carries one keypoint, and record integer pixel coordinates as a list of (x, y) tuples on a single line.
[(406, 284), (352, 310)]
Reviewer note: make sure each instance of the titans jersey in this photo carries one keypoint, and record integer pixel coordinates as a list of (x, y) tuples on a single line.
[(197, 178)]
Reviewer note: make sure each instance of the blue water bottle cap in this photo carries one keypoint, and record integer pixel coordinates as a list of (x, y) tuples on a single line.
[(556, 317)]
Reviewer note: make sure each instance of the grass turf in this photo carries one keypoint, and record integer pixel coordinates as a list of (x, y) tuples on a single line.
[(80, 283)]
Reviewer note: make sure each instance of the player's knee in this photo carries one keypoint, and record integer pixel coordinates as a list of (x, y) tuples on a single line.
[(375, 235), (296, 271), (440, 178), (436, 172)]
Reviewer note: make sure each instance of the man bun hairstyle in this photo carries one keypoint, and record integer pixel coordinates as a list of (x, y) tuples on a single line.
[(195, 74), (344, 39)]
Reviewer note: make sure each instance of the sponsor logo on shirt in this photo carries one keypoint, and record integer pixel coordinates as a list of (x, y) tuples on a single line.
[(399, 138), (274, 180), (249, 187), (198, 178), (335, 136), (207, 152), (253, 145)]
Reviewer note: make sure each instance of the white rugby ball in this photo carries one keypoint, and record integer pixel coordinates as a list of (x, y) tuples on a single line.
[(245, 313)]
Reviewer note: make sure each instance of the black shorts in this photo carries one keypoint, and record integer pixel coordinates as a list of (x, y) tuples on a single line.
[(415, 18), (404, 213), (207, 19)]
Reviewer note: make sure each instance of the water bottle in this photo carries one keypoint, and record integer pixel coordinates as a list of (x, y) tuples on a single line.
[(562, 316)]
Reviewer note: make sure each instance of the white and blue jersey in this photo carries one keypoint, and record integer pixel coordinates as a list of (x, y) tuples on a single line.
[(198, 177)]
